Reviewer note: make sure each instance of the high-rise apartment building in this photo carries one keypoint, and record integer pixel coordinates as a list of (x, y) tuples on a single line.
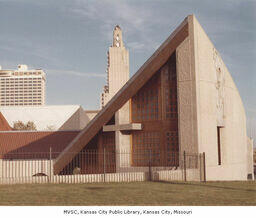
[(22, 87), (118, 67)]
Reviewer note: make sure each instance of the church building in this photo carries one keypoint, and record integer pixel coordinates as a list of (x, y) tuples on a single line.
[(182, 98)]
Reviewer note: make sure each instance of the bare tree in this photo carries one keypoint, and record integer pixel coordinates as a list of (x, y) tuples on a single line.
[(19, 125), (50, 128)]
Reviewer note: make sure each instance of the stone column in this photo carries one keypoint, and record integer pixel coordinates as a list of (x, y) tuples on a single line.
[(1, 168), (123, 138)]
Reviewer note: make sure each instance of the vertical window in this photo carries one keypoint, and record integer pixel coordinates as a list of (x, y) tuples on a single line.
[(145, 102), (219, 144), (146, 146), (172, 146), (170, 87), (108, 142)]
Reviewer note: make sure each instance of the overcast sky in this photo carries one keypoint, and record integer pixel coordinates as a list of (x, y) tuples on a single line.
[(69, 40)]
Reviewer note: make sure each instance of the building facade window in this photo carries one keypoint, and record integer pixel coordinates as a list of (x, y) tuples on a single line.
[(155, 107), (219, 144)]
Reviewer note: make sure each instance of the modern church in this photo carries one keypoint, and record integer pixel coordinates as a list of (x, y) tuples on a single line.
[(181, 99)]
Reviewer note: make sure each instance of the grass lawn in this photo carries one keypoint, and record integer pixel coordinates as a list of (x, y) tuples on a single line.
[(136, 193)]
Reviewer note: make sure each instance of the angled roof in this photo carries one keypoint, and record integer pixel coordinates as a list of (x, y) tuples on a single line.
[(39, 143), (43, 116), (4, 126), (148, 69)]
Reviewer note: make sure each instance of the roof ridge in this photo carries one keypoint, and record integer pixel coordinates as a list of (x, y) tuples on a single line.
[(4, 124), (36, 131)]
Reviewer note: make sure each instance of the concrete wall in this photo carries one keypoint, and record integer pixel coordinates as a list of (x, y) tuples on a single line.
[(77, 121), (24, 168), (91, 114), (187, 106), (177, 175), (218, 104), (250, 169)]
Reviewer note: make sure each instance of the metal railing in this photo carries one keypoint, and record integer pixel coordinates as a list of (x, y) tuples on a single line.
[(102, 166)]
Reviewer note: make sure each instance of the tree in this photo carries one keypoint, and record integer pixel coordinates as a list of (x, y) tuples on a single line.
[(19, 125), (50, 128)]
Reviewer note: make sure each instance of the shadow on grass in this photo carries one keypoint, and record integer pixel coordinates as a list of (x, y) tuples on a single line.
[(98, 188), (205, 185)]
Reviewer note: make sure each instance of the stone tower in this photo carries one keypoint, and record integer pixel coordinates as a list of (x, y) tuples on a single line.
[(118, 67)]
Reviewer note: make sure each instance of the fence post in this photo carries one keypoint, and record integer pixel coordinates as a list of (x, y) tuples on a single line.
[(50, 159), (204, 166), (104, 164), (200, 167), (184, 159), (51, 172), (1, 169), (50, 176), (149, 167)]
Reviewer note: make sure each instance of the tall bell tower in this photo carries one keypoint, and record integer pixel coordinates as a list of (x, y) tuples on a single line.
[(117, 76), (117, 68), (117, 37)]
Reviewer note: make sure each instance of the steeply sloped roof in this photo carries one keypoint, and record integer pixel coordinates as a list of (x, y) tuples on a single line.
[(36, 142), (4, 126), (43, 116), (148, 69)]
